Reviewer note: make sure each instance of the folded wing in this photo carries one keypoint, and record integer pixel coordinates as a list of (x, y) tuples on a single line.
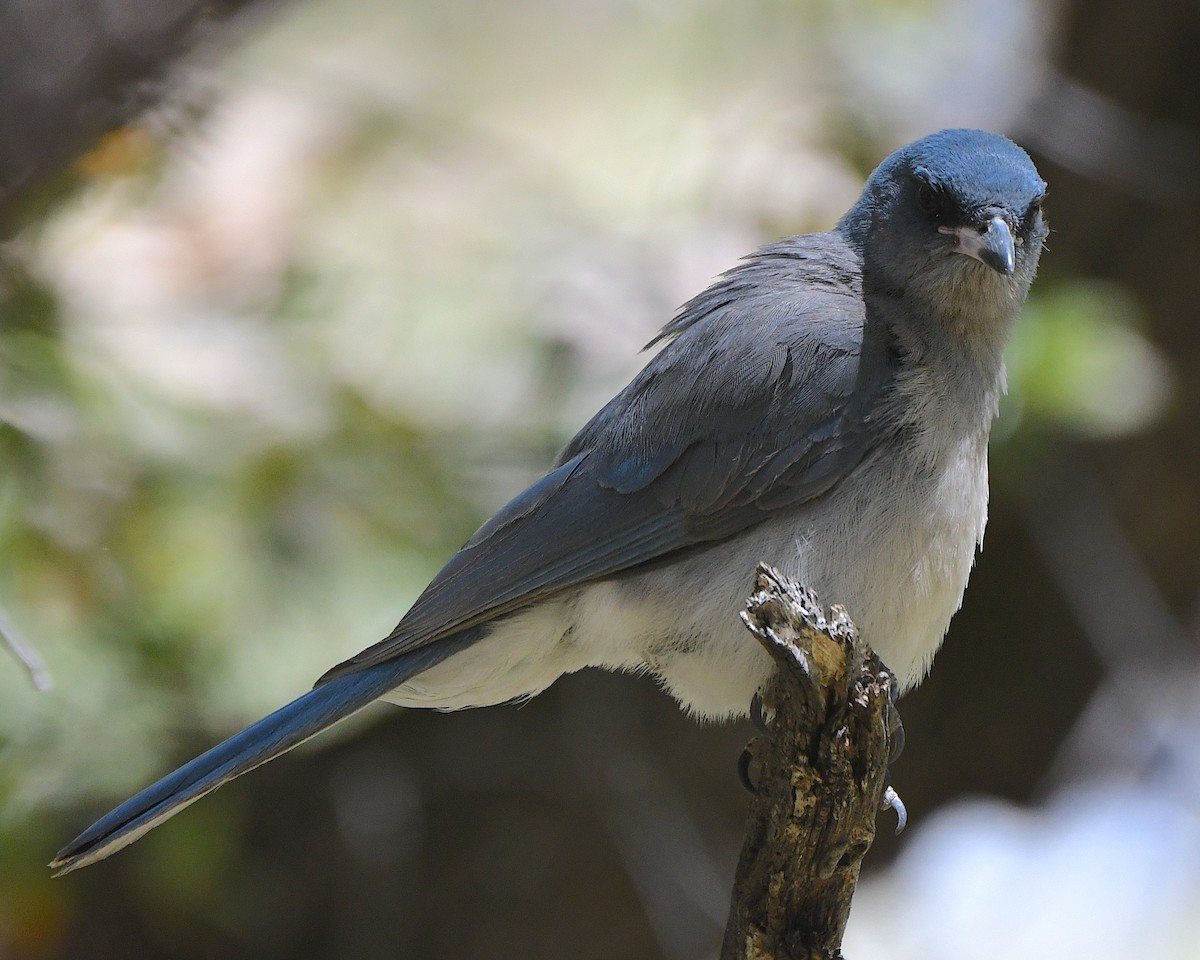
[(765, 396)]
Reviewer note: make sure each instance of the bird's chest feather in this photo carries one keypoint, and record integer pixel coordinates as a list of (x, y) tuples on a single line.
[(895, 550), (898, 549), (893, 542), (900, 557)]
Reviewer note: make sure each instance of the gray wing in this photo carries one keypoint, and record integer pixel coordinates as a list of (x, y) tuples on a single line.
[(765, 396)]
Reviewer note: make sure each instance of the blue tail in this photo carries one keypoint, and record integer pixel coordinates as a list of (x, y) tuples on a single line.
[(258, 743)]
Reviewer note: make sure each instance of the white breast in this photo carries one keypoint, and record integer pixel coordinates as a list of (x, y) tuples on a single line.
[(916, 535), (894, 544)]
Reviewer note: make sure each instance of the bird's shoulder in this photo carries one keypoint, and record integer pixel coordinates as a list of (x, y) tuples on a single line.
[(770, 371), (818, 274)]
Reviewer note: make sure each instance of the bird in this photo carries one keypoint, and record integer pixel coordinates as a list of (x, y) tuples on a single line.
[(823, 406)]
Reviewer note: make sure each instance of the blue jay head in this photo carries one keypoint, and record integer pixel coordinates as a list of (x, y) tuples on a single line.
[(953, 218)]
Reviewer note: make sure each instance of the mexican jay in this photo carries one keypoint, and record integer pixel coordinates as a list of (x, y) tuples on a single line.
[(824, 406)]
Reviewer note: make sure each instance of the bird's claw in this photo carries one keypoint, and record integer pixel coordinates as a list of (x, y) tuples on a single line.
[(891, 799), (895, 733), (743, 769), (758, 714)]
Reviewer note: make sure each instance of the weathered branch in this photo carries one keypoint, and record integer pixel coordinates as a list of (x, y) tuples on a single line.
[(822, 773)]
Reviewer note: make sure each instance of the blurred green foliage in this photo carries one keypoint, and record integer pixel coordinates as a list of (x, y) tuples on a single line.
[(1081, 362)]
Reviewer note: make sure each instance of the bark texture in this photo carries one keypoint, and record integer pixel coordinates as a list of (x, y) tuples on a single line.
[(822, 773)]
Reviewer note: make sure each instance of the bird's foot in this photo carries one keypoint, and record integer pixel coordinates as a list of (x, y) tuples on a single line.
[(762, 723), (745, 761), (891, 800), (895, 726), (761, 718), (758, 714), (895, 731)]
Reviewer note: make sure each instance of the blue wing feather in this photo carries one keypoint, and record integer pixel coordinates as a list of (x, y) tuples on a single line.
[(277, 733)]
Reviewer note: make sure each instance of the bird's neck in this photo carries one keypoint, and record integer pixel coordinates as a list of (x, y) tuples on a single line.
[(958, 351)]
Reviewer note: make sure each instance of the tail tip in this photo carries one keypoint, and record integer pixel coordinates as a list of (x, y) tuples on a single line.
[(65, 861)]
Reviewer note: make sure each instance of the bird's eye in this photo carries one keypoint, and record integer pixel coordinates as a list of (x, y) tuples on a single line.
[(927, 197)]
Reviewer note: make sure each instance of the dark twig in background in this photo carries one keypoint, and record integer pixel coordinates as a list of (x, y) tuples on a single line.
[(75, 70)]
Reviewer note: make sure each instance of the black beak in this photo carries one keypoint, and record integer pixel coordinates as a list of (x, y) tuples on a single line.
[(992, 246)]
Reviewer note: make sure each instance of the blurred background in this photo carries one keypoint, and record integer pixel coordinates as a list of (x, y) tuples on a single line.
[(294, 294)]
